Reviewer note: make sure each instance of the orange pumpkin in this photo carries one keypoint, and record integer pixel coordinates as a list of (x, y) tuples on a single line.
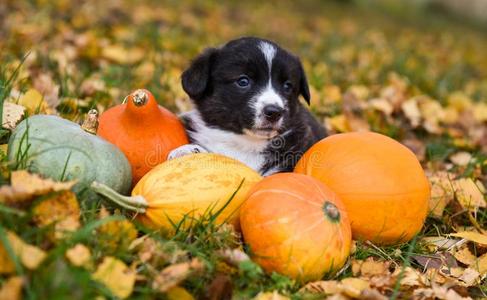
[(143, 130), (296, 226), (380, 181)]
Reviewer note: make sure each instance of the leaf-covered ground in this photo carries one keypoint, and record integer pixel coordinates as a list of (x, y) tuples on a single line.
[(411, 74)]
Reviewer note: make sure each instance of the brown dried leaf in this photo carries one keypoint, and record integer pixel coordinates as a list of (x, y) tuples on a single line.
[(220, 288), (11, 115), (116, 276), (434, 243), (12, 289), (411, 110), (25, 186), (175, 274)]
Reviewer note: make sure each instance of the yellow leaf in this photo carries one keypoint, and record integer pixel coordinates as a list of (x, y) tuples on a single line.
[(480, 265), (62, 210), (25, 186), (353, 287), (465, 256), (12, 289), (178, 293), (270, 296), (33, 101), (121, 55), (4, 148), (459, 101), (472, 236), (116, 276), (30, 256), (329, 287), (79, 255), (117, 235), (339, 123), (442, 193), (468, 194), (480, 112), (11, 115)]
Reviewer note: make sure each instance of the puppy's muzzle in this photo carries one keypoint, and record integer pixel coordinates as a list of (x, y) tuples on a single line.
[(272, 113)]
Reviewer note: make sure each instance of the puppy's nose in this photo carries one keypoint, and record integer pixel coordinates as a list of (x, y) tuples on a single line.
[(272, 113)]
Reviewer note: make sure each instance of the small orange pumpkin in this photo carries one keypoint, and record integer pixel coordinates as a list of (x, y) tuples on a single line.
[(296, 226), (143, 130), (381, 182)]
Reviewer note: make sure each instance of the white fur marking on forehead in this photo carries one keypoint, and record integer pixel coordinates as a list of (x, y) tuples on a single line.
[(269, 52)]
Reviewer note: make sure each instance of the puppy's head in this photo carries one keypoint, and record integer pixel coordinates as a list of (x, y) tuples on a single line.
[(248, 86)]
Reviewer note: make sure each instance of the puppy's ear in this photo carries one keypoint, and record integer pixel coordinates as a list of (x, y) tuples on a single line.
[(195, 79), (303, 84)]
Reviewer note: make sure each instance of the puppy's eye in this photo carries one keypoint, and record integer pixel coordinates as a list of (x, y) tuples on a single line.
[(243, 81), (287, 86)]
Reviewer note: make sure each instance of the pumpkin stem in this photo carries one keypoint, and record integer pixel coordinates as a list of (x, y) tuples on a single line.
[(331, 211), (90, 123), (140, 97), (135, 203)]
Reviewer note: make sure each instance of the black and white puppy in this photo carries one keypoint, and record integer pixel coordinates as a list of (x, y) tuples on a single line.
[(246, 97)]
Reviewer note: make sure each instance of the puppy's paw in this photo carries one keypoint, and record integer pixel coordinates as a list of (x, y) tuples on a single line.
[(185, 150)]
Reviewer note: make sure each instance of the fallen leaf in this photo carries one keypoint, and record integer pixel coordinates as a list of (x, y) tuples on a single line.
[(30, 256), (178, 293), (234, 256), (46, 86), (409, 276), (25, 186), (436, 260), (434, 243), (12, 288), (116, 276), (411, 110), (270, 296), (370, 294), (353, 287), (476, 237), (382, 105), (116, 235), (480, 265), (328, 287), (442, 193), (62, 210), (480, 112), (438, 292), (461, 158), (121, 55), (470, 277), (464, 255), (338, 123), (173, 275), (34, 103), (469, 194), (221, 287), (370, 267), (11, 115), (79, 256)]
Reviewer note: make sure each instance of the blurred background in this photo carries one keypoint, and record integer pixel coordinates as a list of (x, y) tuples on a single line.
[(389, 66)]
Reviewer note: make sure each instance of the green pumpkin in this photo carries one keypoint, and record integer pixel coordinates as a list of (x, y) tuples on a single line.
[(62, 150)]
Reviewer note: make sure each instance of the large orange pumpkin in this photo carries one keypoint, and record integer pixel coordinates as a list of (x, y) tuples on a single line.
[(296, 226), (143, 130), (380, 181)]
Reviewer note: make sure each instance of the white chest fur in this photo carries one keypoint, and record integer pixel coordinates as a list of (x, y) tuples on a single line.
[(246, 149)]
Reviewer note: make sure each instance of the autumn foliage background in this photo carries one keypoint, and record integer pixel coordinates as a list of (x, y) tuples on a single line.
[(401, 69)]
